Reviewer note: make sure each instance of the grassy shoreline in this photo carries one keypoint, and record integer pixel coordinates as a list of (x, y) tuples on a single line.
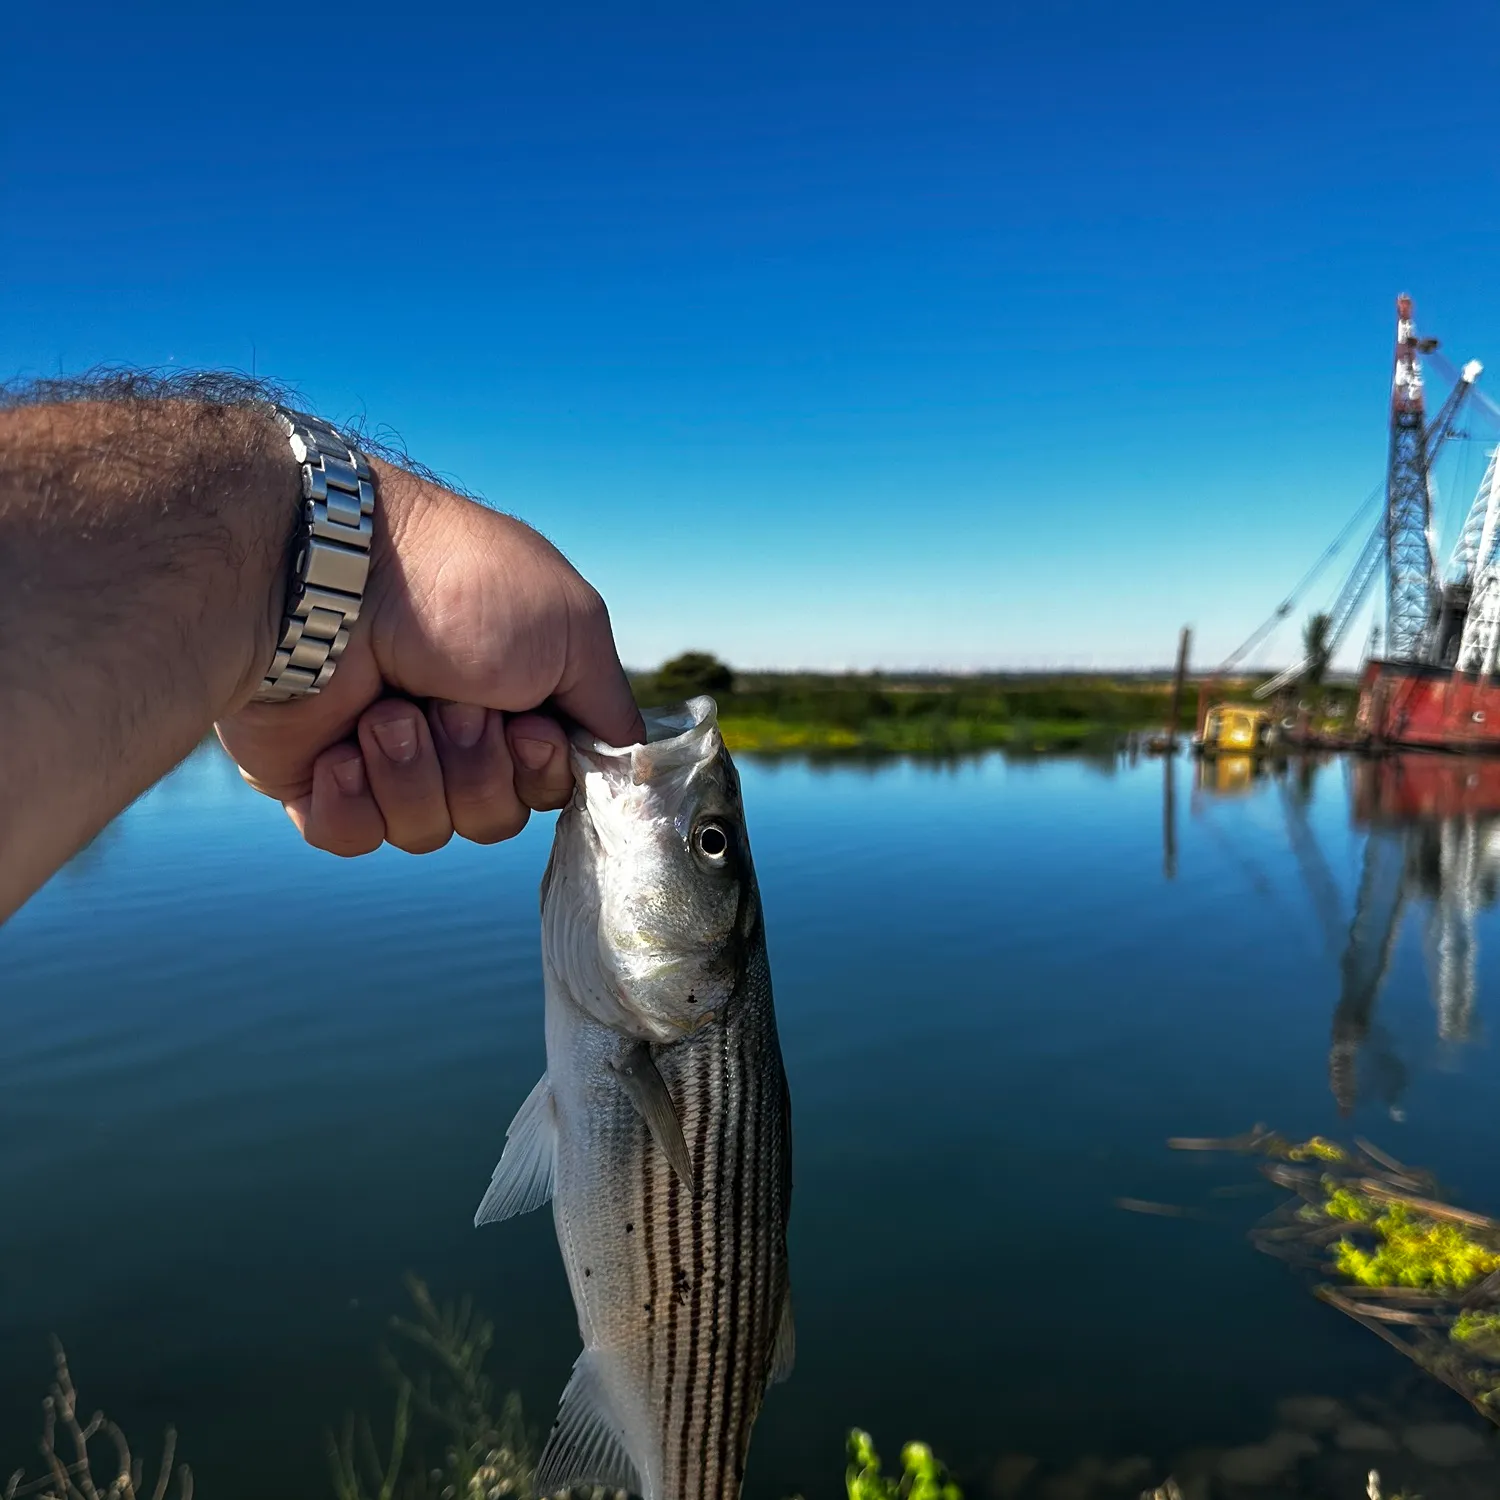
[(765, 735), (803, 713)]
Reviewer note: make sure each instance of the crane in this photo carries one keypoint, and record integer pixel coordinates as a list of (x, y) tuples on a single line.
[(1358, 581), (1411, 581)]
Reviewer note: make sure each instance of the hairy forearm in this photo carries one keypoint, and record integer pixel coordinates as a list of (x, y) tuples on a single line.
[(142, 551)]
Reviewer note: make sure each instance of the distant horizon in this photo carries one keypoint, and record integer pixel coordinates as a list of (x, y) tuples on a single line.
[(1194, 673)]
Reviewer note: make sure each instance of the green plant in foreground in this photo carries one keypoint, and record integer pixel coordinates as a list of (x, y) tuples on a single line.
[(121, 1476), (1355, 1207), (450, 1398), (1416, 1252), (1317, 1149), (1479, 1330), (922, 1476)]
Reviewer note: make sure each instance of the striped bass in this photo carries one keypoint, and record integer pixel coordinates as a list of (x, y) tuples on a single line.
[(661, 1129)]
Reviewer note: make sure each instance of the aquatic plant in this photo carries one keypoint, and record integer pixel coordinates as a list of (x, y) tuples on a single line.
[(922, 1476), (1416, 1251), (1412, 1249), (447, 1401), (1344, 1203), (1479, 1330), (1317, 1149), (1421, 1274), (74, 1478), (356, 1458)]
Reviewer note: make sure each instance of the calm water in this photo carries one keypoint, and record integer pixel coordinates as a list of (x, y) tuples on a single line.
[(224, 1138)]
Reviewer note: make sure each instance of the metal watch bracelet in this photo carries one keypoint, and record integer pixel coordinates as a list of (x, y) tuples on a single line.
[(331, 562)]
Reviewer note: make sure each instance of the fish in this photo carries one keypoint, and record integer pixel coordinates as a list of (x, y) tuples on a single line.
[(661, 1130)]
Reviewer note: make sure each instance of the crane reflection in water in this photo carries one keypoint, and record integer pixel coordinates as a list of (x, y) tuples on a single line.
[(1431, 856), (1432, 849)]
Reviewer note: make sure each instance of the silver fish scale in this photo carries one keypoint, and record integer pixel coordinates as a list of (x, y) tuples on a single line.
[(684, 1292)]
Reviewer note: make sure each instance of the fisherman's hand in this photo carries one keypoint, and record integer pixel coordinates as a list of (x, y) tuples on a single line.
[(440, 716)]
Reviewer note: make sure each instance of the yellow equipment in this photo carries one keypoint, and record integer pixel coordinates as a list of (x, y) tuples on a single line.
[(1235, 729)]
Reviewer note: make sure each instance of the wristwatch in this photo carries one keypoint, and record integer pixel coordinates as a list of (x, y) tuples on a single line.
[(330, 562)]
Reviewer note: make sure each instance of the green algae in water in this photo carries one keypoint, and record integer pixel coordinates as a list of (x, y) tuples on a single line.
[(1345, 1204), (1317, 1149), (922, 1477), (1421, 1274), (1480, 1331), (1412, 1249), (1415, 1251)]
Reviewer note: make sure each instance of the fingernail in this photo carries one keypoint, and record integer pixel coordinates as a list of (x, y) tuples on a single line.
[(350, 775), (533, 754), (398, 739), (462, 722)]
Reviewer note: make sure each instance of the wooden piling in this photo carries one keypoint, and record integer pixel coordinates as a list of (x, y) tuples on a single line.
[(1177, 682)]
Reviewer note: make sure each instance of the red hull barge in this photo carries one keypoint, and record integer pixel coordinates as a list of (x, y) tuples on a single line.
[(1420, 707), (1396, 791)]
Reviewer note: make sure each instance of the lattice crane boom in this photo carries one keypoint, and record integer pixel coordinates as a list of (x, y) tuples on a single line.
[(1411, 584), (1356, 586), (1442, 424)]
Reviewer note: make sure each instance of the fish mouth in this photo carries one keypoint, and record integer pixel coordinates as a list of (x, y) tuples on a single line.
[(678, 736)]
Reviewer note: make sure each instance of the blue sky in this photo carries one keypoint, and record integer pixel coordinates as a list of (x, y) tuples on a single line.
[(817, 335)]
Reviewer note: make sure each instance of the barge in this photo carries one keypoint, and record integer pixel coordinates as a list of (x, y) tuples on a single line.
[(1435, 684)]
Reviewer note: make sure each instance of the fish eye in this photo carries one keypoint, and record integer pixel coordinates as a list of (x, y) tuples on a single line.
[(711, 841)]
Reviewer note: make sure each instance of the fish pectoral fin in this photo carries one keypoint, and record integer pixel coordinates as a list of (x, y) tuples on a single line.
[(523, 1179), (784, 1352), (653, 1101), (587, 1443)]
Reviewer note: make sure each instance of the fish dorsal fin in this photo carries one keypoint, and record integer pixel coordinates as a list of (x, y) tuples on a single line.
[(523, 1179), (653, 1100), (587, 1443), (784, 1353)]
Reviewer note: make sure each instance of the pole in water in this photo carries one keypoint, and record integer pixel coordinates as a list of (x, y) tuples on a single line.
[(1169, 817), (1177, 682)]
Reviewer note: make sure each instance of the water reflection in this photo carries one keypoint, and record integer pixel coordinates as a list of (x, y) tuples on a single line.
[(1228, 775), (1433, 849), (1431, 853), (1169, 817)]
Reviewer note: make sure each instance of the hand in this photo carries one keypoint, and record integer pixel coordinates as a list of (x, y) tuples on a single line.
[(437, 719)]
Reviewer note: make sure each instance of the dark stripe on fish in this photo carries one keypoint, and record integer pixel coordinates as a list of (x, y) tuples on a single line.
[(648, 1244), (674, 1267), (742, 1407), (734, 1104), (702, 1102), (752, 1377), (714, 1400)]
